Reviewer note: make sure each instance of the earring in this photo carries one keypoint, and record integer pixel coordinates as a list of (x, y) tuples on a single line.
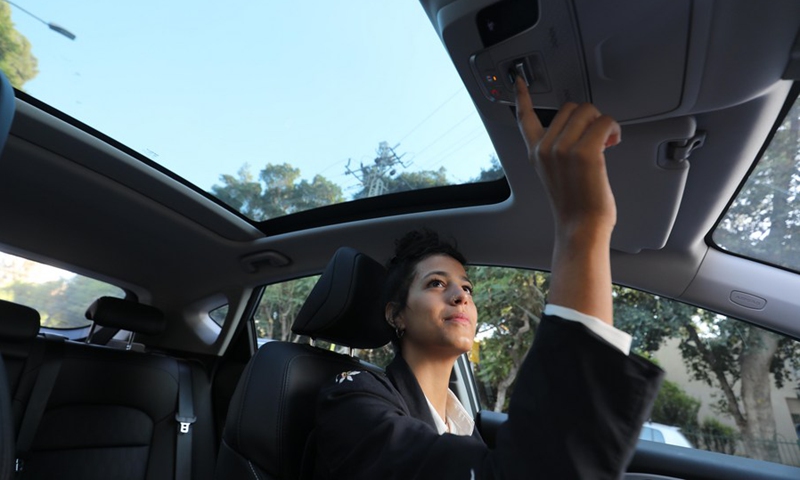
[(399, 332)]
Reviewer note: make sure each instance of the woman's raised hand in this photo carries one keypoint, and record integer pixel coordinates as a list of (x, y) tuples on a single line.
[(570, 161)]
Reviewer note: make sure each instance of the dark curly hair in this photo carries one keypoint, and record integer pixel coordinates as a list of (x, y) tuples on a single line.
[(410, 249)]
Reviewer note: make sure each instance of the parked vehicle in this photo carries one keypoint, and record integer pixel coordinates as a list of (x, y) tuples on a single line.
[(671, 435)]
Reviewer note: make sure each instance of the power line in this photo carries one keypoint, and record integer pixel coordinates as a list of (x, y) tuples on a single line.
[(431, 114), (440, 137), (422, 122)]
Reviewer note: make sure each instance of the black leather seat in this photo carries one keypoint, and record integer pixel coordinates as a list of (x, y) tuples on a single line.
[(272, 410), (7, 107), (7, 451), (110, 413)]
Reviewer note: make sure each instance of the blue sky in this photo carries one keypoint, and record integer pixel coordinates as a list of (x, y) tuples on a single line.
[(204, 88)]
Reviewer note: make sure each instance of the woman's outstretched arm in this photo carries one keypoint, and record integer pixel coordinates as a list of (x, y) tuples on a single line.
[(570, 161)]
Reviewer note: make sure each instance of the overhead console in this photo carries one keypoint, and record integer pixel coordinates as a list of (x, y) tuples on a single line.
[(657, 66), (632, 58)]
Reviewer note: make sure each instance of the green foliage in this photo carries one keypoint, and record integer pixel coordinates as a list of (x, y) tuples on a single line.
[(276, 192), (764, 220), (715, 436), (16, 59), (279, 306), (494, 172), (510, 304), (673, 406), (61, 303), (405, 181)]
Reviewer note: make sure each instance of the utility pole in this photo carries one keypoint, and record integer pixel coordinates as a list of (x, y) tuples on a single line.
[(372, 177)]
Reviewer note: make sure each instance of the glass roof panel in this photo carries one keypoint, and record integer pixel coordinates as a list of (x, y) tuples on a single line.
[(763, 222), (274, 107)]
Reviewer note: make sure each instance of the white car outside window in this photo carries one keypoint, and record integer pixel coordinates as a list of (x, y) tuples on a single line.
[(656, 432)]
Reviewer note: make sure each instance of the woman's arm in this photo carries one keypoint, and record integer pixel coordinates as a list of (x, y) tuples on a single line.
[(570, 161)]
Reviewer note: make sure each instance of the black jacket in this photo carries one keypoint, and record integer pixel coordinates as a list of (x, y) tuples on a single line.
[(576, 412)]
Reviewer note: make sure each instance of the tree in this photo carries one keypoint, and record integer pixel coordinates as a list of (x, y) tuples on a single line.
[(276, 192), (494, 172), (736, 359), (61, 303), (763, 222), (764, 218), (510, 304), (279, 306), (16, 59)]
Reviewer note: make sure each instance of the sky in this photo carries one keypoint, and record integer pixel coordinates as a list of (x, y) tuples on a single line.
[(204, 88)]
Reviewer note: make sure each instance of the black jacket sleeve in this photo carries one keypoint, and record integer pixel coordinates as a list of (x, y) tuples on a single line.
[(576, 412)]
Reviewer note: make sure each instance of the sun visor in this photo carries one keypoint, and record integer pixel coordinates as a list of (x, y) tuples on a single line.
[(567, 55)]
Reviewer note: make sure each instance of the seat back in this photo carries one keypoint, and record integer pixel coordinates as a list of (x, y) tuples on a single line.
[(110, 413), (272, 410), (6, 420), (7, 450)]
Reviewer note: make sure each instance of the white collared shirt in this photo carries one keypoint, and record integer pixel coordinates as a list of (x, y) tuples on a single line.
[(617, 338), (458, 420)]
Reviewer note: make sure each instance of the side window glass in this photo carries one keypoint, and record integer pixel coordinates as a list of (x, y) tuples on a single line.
[(730, 387), (219, 314), (278, 308), (60, 297)]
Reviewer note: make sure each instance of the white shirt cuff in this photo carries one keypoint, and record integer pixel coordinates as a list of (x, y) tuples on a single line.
[(617, 338)]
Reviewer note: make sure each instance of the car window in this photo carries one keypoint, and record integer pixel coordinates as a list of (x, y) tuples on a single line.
[(763, 221), (218, 314), (278, 308), (61, 297), (730, 387), (649, 433)]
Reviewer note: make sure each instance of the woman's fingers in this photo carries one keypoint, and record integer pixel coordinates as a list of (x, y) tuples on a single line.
[(569, 156), (529, 124)]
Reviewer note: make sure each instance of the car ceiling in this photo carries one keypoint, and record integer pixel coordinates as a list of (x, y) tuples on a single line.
[(73, 200)]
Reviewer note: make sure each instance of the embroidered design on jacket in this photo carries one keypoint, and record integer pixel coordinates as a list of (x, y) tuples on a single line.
[(346, 376)]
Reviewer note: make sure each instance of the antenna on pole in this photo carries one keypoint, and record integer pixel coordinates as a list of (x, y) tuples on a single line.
[(373, 177)]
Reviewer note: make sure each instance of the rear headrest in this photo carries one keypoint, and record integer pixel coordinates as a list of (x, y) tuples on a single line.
[(18, 323), (126, 315), (344, 306)]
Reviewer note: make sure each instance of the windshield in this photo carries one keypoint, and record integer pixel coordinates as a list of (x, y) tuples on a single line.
[(272, 107)]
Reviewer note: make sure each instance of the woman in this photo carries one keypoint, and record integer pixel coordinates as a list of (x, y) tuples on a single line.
[(580, 398)]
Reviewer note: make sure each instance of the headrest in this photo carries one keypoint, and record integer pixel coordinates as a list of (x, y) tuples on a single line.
[(18, 323), (344, 306), (126, 315)]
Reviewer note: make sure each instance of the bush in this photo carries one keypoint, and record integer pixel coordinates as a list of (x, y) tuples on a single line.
[(673, 406), (718, 437)]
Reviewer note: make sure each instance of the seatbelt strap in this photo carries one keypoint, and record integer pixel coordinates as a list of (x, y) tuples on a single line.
[(185, 418), (103, 335), (45, 380)]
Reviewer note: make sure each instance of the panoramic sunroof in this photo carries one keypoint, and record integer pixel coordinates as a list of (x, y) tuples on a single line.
[(273, 108), (763, 222)]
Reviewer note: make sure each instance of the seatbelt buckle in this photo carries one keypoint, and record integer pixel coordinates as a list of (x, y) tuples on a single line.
[(185, 422)]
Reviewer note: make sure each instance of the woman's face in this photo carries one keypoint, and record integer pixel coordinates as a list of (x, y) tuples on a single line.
[(440, 317)]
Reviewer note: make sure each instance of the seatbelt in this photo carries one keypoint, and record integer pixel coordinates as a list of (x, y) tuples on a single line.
[(103, 335), (45, 380), (185, 417)]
